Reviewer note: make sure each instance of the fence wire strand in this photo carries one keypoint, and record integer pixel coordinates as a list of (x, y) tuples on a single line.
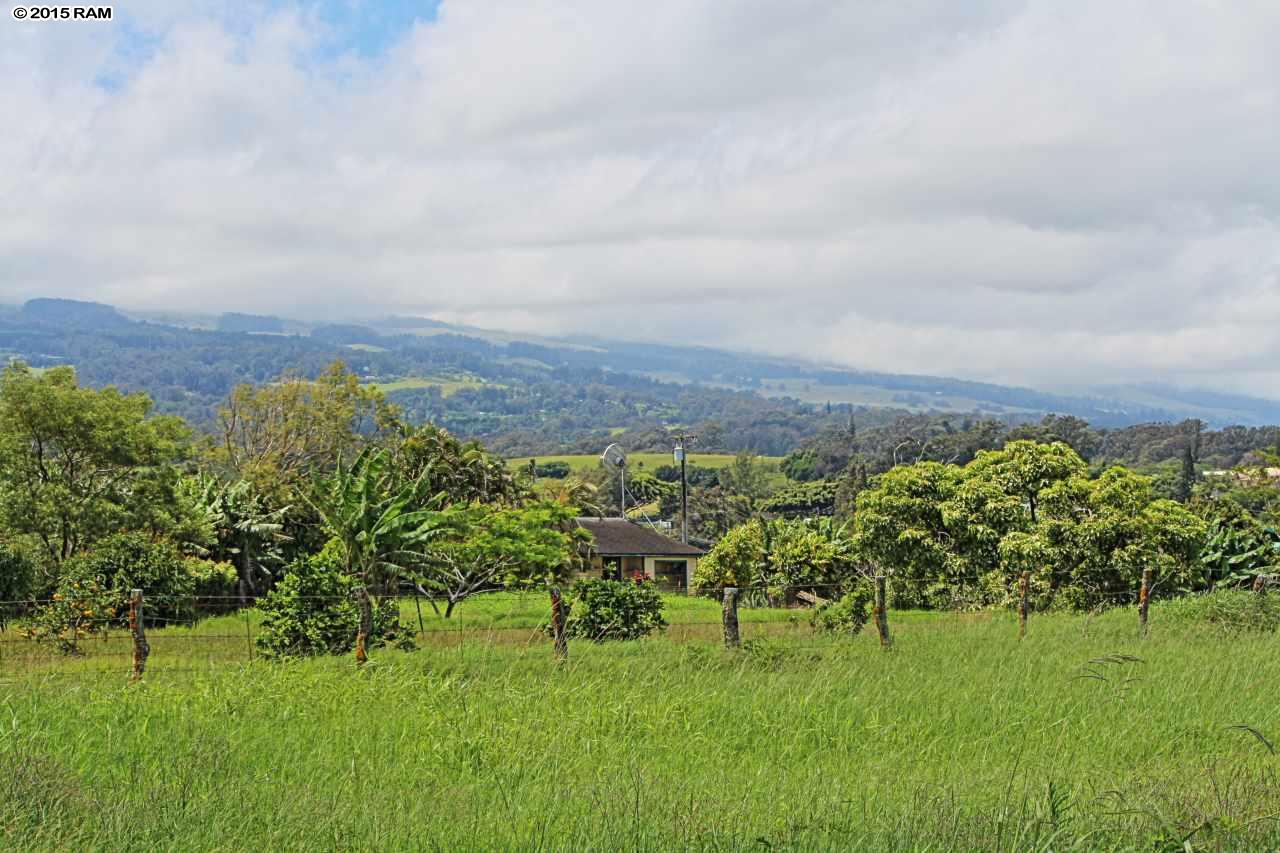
[(199, 634)]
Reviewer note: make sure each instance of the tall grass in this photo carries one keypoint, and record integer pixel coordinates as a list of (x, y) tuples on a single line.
[(1079, 737)]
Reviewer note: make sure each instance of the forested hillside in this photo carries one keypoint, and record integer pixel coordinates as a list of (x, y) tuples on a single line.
[(535, 396)]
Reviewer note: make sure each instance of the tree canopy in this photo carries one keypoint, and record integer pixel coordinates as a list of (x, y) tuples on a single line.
[(79, 463)]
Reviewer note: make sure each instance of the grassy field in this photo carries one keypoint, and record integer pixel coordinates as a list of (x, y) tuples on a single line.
[(448, 385), (645, 461), (960, 738)]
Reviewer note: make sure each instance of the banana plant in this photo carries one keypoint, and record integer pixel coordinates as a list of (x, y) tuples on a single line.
[(247, 532), (1235, 555), (380, 523)]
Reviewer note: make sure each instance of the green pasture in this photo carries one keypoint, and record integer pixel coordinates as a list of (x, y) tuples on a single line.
[(448, 385), (1082, 736)]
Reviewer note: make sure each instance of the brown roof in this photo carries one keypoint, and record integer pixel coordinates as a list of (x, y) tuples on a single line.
[(617, 537)]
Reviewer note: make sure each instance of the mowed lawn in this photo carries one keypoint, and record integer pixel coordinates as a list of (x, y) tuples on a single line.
[(961, 737)]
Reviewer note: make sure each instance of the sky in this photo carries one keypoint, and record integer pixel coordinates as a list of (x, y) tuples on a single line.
[(1047, 193)]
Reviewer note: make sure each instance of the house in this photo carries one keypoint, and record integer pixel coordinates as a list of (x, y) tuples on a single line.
[(624, 549)]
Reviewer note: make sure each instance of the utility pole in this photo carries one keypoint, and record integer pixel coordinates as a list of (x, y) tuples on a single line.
[(679, 454)]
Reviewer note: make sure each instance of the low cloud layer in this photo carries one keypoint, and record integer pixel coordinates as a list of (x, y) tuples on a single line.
[(1010, 190)]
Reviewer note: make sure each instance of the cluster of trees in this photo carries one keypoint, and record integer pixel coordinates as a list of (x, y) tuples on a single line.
[(939, 438), (948, 534), (306, 485)]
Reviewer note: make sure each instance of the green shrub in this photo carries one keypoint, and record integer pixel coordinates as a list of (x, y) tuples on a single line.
[(128, 561), (312, 611), (79, 610), (556, 470), (93, 590), (1227, 609), (614, 610), (214, 583), (847, 615)]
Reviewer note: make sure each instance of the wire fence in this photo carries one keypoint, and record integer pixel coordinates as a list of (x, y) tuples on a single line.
[(60, 638)]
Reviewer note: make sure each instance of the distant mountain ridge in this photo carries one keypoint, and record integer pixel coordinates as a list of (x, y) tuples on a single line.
[(487, 370), (73, 313)]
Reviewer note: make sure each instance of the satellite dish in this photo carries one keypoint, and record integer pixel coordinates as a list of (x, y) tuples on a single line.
[(614, 455)]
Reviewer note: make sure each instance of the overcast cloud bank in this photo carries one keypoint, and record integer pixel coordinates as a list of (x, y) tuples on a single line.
[(1031, 192)]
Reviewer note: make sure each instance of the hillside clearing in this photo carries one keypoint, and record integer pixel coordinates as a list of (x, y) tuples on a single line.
[(448, 385)]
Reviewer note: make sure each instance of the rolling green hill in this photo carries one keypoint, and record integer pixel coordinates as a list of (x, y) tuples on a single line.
[(527, 395)]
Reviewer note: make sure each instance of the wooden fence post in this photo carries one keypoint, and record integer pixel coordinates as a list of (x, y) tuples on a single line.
[(881, 613), (1024, 586), (138, 628), (731, 638), (366, 626), (557, 626), (1144, 601), (248, 633)]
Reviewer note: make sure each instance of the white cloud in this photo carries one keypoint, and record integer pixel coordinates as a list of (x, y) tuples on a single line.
[(1022, 191)]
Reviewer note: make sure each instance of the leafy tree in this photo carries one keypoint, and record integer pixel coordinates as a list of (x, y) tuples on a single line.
[(312, 611), (781, 553), (127, 561), (483, 546), (214, 582), (746, 476), (1106, 531), (461, 472), (93, 588), (803, 500), (644, 488), (852, 483), (1023, 469), (736, 560), (800, 465), (1068, 429), (278, 435), (77, 463), (574, 492), (899, 525)]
